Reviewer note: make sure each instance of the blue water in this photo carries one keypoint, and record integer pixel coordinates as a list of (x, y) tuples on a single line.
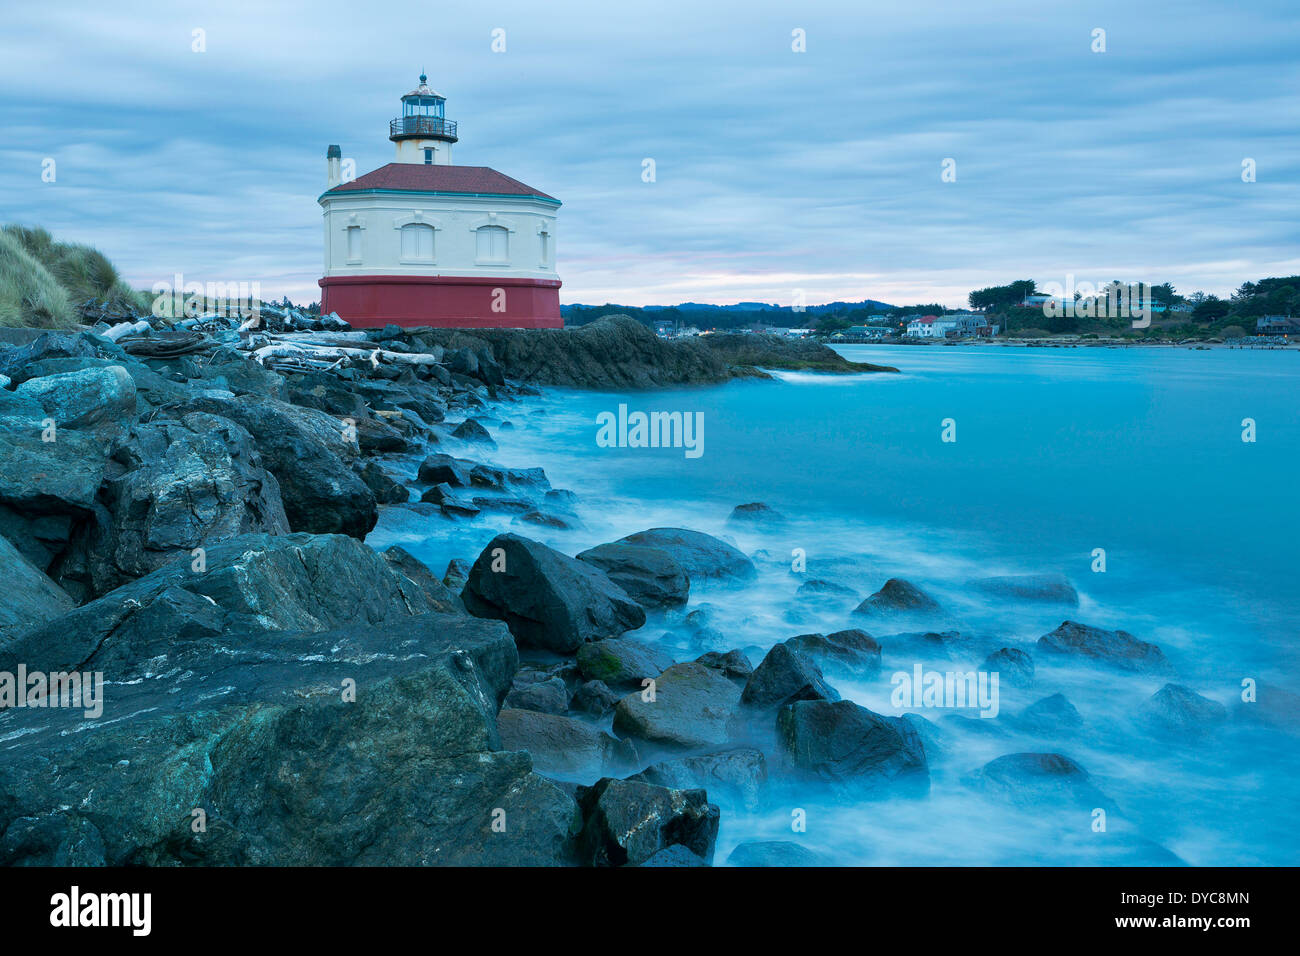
[(1058, 452)]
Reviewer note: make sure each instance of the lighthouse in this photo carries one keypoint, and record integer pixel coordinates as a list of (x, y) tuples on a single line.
[(424, 242)]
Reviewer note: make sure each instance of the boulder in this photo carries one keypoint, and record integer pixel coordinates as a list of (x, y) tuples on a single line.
[(733, 664), (1014, 667), (310, 454), (440, 597), (700, 555), (737, 774), (1051, 715), (1118, 649), (1180, 711), (782, 853), (504, 479), (549, 696), (675, 855), (456, 575), (250, 584), (440, 469), (691, 708), (563, 747), (621, 662), (549, 600), (101, 400), (594, 697), (848, 746), (1036, 780), (899, 596), (287, 767), (783, 677), (853, 653), (819, 589), (1042, 588), (650, 576), (386, 489), (471, 431), (756, 515), (628, 822), (543, 519), (31, 598)]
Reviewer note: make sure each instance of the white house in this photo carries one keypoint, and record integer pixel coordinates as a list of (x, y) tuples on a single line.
[(422, 241)]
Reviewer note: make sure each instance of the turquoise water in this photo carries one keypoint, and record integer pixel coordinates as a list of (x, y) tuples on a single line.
[(1058, 452)]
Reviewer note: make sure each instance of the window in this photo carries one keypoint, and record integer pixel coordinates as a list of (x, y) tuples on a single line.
[(428, 157), (492, 244), (546, 247), (417, 242), (354, 243)]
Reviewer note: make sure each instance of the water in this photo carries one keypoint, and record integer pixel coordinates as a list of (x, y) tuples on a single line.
[(1058, 452)]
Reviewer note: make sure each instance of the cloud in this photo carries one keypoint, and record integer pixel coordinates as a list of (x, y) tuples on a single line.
[(776, 170)]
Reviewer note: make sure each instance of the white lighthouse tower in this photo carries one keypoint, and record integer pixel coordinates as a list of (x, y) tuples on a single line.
[(421, 241)]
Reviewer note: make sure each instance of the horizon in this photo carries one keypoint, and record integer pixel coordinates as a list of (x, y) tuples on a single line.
[(816, 172)]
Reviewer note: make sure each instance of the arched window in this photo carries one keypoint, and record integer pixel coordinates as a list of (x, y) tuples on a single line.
[(417, 242), (493, 244)]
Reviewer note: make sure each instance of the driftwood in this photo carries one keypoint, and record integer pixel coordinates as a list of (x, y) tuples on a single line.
[(304, 351), (126, 328)]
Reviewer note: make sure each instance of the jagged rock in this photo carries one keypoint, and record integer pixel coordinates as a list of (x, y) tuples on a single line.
[(650, 576), (386, 490), (545, 520), (309, 453), (675, 855), (444, 469), (756, 514), (1013, 666), (503, 479), (250, 584), (563, 747), (1051, 715), (849, 746), (737, 774), (287, 769), (692, 707), (456, 575), (471, 431), (853, 653), (100, 400), (821, 589), (700, 555), (514, 505), (1044, 588), (191, 484), (783, 677), (733, 664), (549, 600), (31, 598), (594, 697), (544, 696), (899, 596), (1034, 779), (1117, 649), (1180, 710), (418, 573), (783, 853), (628, 822), (621, 662)]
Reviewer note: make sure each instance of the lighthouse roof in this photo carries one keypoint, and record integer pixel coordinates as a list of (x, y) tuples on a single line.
[(446, 180), (423, 89)]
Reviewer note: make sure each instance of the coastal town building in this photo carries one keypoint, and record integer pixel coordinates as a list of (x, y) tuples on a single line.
[(1277, 325), (422, 241)]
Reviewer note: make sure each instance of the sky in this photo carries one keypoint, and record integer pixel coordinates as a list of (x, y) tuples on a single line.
[(778, 172)]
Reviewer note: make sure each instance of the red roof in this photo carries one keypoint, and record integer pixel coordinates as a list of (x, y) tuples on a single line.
[(422, 178)]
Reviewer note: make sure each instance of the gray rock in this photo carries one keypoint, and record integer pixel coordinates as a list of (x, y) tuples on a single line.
[(849, 746), (1044, 588), (549, 600), (766, 853), (96, 399), (31, 598), (1013, 666), (692, 707), (1181, 711), (628, 822), (563, 747), (440, 469), (544, 696), (853, 653), (783, 677), (649, 575), (471, 431), (594, 697), (456, 575), (733, 664), (1051, 715), (675, 855), (1035, 779), (440, 597), (755, 514), (621, 662), (898, 595), (737, 774), (700, 555), (1118, 649)]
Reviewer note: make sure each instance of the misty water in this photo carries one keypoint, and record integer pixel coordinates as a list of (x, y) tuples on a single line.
[(1058, 453)]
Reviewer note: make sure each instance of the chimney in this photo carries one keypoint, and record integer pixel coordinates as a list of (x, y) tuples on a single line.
[(334, 160)]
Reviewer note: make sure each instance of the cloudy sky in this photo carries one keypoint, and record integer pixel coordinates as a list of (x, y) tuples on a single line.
[(776, 170)]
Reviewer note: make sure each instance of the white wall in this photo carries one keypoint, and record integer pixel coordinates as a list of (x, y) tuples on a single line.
[(412, 151), (455, 220)]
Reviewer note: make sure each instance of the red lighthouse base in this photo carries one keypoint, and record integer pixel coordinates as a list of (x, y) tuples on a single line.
[(462, 302)]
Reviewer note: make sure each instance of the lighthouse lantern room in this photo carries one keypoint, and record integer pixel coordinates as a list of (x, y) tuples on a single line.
[(421, 241)]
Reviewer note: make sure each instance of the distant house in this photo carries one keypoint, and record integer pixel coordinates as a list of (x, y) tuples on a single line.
[(867, 332), (931, 327), (1277, 325), (1182, 307), (967, 324), (664, 328)]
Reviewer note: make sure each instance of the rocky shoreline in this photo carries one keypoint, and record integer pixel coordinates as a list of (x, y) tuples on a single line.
[(189, 522)]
